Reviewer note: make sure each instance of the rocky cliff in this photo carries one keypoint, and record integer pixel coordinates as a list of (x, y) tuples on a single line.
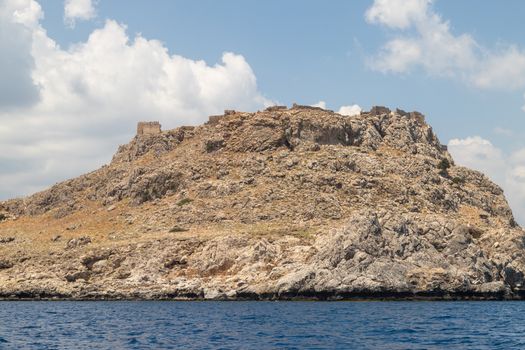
[(283, 203)]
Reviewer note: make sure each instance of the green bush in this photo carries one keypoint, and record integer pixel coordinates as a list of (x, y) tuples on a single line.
[(444, 164), (184, 202), (3, 217), (458, 180), (178, 229)]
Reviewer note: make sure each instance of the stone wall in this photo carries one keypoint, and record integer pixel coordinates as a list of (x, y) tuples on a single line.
[(378, 110), (214, 119), (148, 128)]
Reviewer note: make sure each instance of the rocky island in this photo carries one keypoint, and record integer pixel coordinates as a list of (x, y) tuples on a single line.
[(284, 203)]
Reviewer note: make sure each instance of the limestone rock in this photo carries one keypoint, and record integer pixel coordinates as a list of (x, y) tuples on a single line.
[(283, 203)]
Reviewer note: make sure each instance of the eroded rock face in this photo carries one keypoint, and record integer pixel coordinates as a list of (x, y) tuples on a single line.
[(283, 203), (374, 254)]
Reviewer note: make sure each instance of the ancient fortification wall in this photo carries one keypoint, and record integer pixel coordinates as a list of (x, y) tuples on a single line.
[(148, 128)]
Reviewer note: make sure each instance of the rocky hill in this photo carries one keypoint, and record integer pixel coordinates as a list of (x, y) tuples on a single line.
[(283, 203)]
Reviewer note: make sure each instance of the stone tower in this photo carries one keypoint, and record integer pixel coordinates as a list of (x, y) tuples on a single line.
[(148, 128)]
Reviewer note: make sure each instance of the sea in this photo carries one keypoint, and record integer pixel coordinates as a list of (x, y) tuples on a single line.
[(262, 325)]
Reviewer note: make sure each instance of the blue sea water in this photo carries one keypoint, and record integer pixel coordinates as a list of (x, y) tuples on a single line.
[(262, 325)]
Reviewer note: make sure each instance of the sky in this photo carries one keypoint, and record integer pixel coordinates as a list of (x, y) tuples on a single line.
[(77, 75)]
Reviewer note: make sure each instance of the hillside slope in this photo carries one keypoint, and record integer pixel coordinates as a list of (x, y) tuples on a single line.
[(283, 203)]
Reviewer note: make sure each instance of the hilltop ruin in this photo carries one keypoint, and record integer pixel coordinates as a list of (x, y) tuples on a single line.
[(148, 128), (283, 203)]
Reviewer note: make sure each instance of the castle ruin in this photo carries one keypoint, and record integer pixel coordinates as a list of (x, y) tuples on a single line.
[(214, 119), (148, 128)]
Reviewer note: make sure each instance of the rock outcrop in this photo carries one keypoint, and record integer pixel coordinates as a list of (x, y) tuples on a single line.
[(283, 203)]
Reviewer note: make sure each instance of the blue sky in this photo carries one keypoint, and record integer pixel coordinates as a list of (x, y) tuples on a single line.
[(470, 83), (308, 51)]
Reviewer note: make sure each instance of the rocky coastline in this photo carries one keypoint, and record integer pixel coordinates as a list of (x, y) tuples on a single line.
[(293, 203)]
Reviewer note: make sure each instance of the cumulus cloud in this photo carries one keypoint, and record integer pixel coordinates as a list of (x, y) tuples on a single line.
[(397, 13), (479, 154), (343, 110), (78, 10), (349, 110), (423, 39), (320, 104), (17, 88), (507, 170), (503, 70), (429, 43), (77, 104)]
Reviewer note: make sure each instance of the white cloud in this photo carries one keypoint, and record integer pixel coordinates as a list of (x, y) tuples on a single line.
[(480, 154), (17, 88), (343, 110), (518, 174), (507, 170), (397, 13), (425, 40), (503, 131), (398, 55), (78, 10), (432, 47), (89, 97), (503, 70), (320, 104), (350, 110)]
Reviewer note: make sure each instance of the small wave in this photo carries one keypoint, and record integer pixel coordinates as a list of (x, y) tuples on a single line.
[(375, 325), (133, 341)]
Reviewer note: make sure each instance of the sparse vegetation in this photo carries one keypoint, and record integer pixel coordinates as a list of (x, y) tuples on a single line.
[(458, 180), (5, 264), (443, 166), (213, 145), (304, 233), (299, 219), (184, 202), (6, 239), (3, 217)]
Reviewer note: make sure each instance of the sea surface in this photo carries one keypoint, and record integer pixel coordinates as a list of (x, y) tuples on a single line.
[(262, 325)]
